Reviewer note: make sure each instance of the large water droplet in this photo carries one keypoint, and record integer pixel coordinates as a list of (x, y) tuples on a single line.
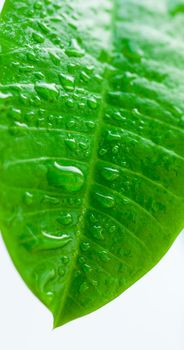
[(52, 240), (69, 178), (43, 282)]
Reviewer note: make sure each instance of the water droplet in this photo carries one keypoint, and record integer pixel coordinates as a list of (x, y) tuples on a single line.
[(104, 256), (47, 91), (83, 287), (71, 124), (98, 78), (25, 69), (31, 56), (81, 105), (112, 229), (94, 283), (93, 218), (65, 259), (20, 125), (43, 280), (86, 268), (83, 145), (105, 200), (69, 178), (72, 25), (38, 37), (113, 136), (72, 67), (70, 103), (84, 246), (89, 68), (92, 103), (96, 232), (118, 116), (65, 219), (81, 260), (5, 96), (71, 144), (38, 5), (38, 75), (43, 27), (102, 151), (84, 76), (132, 50), (15, 114), (55, 59), (109, 173), (67, 81), (61, 271), (28, 198), (52, 240), (74, 50), (115, 149), (90, 124), (50, 200)]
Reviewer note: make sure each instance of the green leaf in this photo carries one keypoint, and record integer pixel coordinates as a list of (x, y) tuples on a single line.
[(91, 145), (176, 6)]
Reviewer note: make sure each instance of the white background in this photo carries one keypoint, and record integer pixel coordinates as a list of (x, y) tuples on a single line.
[(149, 316)]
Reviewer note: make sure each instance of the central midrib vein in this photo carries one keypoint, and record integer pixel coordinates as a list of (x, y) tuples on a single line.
[(92, 163)]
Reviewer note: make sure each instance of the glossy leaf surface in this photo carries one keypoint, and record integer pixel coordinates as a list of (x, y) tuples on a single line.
[(91, 144)]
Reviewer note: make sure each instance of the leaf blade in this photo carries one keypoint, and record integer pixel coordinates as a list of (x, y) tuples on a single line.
[(92, 145)]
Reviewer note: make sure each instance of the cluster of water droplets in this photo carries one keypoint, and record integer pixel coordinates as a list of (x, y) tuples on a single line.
[(65, 99)]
